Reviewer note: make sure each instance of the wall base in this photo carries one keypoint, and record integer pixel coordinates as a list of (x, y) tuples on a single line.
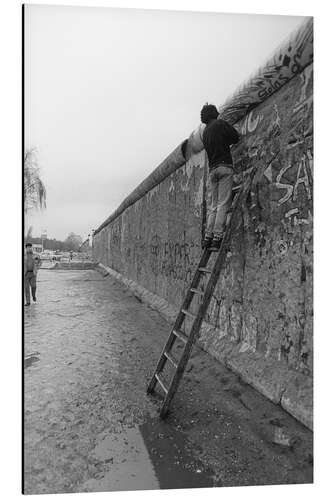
[(291, 389)]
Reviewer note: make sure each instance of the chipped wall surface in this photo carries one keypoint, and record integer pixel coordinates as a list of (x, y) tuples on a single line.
[(157, 241), (261, 309), (264, 297)]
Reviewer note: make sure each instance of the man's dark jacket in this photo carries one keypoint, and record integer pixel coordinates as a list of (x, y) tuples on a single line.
[(217, 138)]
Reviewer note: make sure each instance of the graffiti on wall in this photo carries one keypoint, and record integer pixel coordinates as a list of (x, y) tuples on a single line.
[(290, 59), (296, 187), (159, 241), (115, 235), (250, 123), (305, 100), (172, 259)]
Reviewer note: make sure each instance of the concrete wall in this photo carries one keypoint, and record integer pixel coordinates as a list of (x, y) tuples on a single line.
[(260, 318)]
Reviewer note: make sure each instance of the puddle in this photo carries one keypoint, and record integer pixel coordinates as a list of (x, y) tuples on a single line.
[(172, 457), (31, 359), (150, 456)]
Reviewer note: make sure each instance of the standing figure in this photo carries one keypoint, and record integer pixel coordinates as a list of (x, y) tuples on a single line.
[(218, 135), (31, 266)]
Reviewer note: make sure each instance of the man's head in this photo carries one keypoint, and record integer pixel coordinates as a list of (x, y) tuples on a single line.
[(28, 247), (209, 112)]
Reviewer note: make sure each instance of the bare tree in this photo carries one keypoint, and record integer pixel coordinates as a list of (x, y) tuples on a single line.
[(34, 188), (29, 232)]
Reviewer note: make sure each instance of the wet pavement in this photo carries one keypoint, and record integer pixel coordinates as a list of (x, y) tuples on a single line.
[(90, 349)]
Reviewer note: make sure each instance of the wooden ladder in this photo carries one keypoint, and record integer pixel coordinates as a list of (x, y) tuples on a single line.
[(177, 332)]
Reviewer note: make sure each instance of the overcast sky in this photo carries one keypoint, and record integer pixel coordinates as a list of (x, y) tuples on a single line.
[(110, 93)]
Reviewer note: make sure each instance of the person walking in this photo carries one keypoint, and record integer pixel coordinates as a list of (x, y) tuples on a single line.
[(31, 266), (218, 136)]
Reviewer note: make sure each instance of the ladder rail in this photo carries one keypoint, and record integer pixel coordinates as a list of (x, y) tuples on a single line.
[(189, 341), (195, 329), (178, 322)]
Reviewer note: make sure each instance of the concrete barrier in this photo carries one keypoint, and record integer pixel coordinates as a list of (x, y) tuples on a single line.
[(74, 266), (260, 318)]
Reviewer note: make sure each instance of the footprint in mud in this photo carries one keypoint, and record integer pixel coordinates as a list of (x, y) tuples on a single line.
[(31, 359)]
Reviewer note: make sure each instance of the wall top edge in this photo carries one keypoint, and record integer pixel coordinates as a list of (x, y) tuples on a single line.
[(288, 60)]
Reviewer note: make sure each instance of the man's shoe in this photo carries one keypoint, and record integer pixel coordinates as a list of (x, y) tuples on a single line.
[(34, 298), (216, 243), (206, 243), (27, 304)]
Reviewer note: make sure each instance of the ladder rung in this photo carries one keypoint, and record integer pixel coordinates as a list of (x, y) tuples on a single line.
[(162, 383), (188, 313), (240, 191), (171, 358), (180, 335)]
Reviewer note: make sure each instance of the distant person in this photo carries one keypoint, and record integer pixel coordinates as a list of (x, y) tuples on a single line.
[(70, 255), (31, 266), (218, 135)]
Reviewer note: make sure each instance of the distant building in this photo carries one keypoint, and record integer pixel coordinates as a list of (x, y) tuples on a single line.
[(36, 247)]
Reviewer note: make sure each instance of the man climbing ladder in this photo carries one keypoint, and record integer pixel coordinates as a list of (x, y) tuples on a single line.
[(217, 138), (202, 285), (203, 289)]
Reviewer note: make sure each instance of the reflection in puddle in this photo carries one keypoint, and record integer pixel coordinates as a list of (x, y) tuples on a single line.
[(151, 456), (30, 359)]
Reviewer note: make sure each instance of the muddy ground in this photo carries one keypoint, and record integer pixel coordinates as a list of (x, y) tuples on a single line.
[(90, 349)]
